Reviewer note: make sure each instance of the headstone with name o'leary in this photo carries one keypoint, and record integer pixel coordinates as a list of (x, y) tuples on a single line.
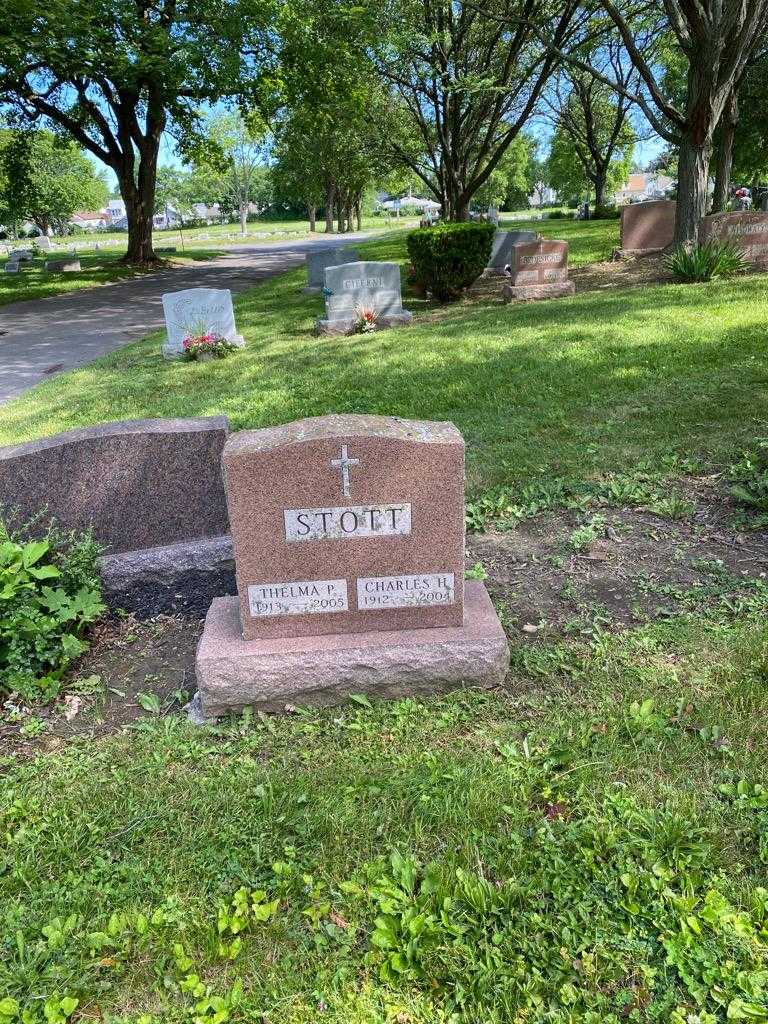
[(354, 287), (539, 270), (501, 252), (747, 231), (317, 262), (198, 311), (348, 535)]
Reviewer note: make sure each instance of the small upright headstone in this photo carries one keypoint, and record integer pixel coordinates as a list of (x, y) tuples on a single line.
[(539, 270), (43, 242), (353, 287), (317, 262), (747, 231), (647, 227), (197, 311), (68, 266), (349, 553), (501, 253), (12, 267)]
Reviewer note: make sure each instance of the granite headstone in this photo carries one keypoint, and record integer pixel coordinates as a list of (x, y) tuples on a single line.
[(318, 261), (539, 270), (501, 252), (196, 311), (348, 535), (746, 231), (352, 287), (647, 227)]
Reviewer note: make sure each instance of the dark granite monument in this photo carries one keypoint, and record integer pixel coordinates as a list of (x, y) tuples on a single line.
[(151, 491)]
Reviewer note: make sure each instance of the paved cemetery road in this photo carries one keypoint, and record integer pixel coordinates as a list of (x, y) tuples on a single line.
[(42, 337)]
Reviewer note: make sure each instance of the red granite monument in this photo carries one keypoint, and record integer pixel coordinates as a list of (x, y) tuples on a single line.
[(349, 550), (539, 270), (747, 231), (647, 227)]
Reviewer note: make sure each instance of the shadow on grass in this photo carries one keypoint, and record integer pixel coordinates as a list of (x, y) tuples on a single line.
[(572, 385)]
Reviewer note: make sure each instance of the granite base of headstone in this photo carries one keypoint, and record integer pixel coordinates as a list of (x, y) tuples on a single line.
[(539, 270), (317, 262), (501, 252), (69, 266), (348, 537), (197, 311), (354, 287)]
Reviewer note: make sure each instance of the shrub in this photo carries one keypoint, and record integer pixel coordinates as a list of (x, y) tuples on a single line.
[(749, 478), (605, 213), (448, 258), (706, 262), (49, 592)]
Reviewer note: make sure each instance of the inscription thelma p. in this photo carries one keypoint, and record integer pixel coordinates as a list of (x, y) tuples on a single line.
[(347, 522), (307, 597)]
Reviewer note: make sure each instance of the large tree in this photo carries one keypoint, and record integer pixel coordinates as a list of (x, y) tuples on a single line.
[(46, 179), (235, 145), (117, 74), (594, 117), (715, 39), (467, 77)]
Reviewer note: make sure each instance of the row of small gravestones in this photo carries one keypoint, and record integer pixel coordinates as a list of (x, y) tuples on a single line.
[(17, 257), (532, 267)]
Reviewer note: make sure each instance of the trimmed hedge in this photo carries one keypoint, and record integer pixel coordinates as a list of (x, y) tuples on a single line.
[(448, 258)]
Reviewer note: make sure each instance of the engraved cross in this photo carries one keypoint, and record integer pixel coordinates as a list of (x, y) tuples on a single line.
[(343, 463)]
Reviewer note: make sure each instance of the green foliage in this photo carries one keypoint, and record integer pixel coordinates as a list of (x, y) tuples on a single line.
[(46, 179), (706, 262), (449, 258), (49, 594), (605, 213), (749, 478)]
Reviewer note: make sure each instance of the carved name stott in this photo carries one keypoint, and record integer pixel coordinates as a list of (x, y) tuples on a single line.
[(347, 524)]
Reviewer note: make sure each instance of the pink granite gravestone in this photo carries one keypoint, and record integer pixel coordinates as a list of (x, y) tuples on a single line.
[(539, 270), (746, 231), (349, 550), (647, 227)]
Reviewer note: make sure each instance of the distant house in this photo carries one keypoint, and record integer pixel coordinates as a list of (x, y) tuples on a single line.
[(543, 196), (115, 210), (209, 214), (641, 187), (86, 220)]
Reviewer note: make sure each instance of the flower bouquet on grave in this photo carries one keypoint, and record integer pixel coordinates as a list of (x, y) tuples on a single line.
[(207, 345), (365, 319)]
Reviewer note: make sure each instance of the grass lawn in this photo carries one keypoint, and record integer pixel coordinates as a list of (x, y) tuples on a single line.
[(103, 267), (587, 846)]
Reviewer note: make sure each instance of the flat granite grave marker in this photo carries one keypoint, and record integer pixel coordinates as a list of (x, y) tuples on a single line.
[(197, 311), (647, 227), (351, 287), (348, 534), (501, 251), (747, 231), (68, 266), (318, 261), (539, 270)]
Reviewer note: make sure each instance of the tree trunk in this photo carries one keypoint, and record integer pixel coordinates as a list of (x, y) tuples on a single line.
[(243, 217), (348, 214), (599, 184), (329, 199), (693, 175), (139, 208), (359, 214), (724, 157), (339, 215), (312, 210)]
